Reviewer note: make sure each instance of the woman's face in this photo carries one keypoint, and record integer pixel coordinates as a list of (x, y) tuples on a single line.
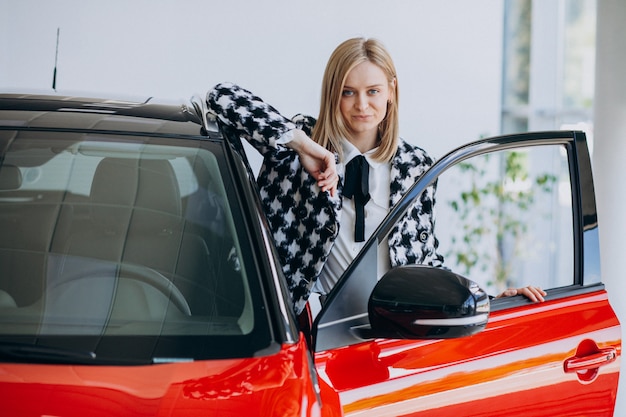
[(364, 103)]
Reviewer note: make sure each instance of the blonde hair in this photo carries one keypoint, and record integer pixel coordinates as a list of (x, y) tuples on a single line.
[(330, 128)]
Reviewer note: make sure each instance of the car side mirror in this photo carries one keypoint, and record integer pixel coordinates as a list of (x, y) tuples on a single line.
[(421, 302)]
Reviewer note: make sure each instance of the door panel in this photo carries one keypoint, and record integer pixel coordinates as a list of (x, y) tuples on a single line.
[(511, 211), (515, 367)]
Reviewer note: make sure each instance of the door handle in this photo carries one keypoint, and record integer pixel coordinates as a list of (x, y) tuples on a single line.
[(590, 361)]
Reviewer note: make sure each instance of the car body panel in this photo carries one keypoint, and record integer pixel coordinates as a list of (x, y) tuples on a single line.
[(274, 385), (516, 361)]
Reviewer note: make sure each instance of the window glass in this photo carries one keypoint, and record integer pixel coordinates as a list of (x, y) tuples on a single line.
[(125, 237), (504, 219), (548, 67)]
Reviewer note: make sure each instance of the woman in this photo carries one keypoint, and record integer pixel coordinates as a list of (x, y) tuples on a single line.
[(316, 208)]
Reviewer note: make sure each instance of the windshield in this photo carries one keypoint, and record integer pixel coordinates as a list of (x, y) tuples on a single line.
[(128, 248)]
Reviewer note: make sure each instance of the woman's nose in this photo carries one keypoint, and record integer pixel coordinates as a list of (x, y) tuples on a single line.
[(361, 102)]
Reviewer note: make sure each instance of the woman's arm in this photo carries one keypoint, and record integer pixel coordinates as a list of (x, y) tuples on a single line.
[(265, 129), (255, 120)]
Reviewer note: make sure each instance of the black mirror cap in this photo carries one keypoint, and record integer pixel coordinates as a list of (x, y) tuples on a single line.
[(422, 302)]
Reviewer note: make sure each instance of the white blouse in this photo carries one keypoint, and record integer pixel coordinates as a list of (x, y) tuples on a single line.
[(345, 248)]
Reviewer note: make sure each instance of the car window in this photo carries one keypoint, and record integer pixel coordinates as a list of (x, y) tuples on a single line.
[(126, 237), (504, 219)]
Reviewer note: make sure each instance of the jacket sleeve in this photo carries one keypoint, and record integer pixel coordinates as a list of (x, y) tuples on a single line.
[(249, 116)]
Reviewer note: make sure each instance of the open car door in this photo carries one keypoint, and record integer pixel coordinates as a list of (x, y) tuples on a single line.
[(511, 211)]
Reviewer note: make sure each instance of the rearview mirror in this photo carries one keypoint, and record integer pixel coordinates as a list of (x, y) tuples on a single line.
[(421, 302)]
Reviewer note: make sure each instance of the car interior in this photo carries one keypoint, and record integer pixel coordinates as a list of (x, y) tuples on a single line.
[(128, 255)]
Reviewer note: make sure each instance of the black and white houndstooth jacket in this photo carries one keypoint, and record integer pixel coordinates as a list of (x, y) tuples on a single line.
[(304, 220)]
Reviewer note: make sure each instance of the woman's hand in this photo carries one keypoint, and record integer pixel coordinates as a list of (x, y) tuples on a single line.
[(534, 294), (317, 160)]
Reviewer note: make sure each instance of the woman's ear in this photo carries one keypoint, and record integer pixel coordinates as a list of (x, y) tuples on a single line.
[(392, 90)]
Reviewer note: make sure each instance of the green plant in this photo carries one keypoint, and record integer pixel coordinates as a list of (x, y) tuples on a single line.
[(494, 211)]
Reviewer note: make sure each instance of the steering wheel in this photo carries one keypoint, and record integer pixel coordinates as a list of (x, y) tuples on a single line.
[(78, 268), (158, 281)]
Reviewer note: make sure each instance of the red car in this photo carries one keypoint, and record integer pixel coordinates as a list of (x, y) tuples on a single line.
[(138, 278)]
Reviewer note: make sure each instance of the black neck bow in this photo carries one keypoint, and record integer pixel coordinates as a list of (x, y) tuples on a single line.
[(357, 186)]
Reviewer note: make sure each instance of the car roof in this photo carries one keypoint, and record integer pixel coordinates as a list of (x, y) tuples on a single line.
[(48, 111)]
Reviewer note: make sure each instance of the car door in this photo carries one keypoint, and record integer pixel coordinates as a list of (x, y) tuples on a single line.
[(511, 211)]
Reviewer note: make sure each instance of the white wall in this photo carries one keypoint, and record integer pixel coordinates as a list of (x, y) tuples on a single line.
[(447, 53)]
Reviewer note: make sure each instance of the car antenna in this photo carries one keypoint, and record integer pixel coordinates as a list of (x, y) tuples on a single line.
[(56, 57)]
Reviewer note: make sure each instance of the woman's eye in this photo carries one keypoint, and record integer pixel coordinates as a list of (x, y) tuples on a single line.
[(373, 91), (347, 93)]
